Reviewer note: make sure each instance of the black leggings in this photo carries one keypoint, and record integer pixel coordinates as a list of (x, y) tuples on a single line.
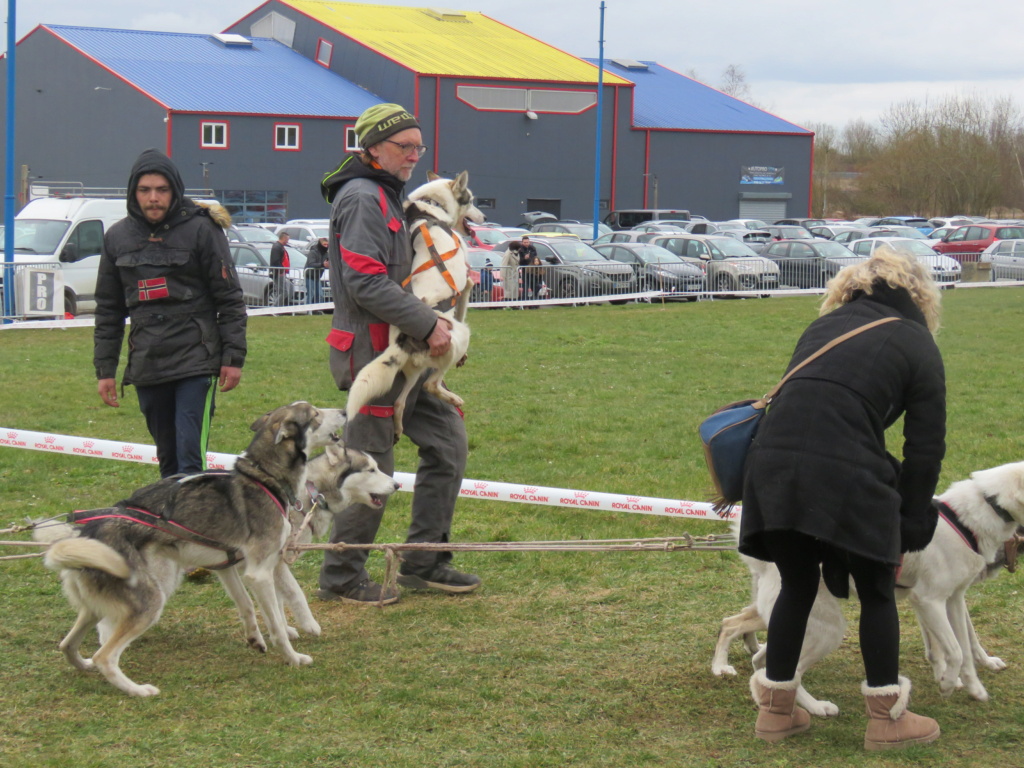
[(798, 558)]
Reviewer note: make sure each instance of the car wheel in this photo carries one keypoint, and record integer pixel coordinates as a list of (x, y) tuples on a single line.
[(270, 297), (723, 282), (70, 303)]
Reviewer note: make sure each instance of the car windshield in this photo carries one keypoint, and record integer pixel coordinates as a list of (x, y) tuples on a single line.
[(257, 235), (38, 235), (914, 247), (573, 251), (655, 254), (794, 233), (478, 258), (832, 250), (490, 236), (729, 247)]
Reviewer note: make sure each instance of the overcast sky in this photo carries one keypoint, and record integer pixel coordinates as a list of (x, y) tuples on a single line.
[(805, 62)]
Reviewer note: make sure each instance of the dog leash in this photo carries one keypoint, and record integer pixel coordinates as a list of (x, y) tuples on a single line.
[(291, 554)]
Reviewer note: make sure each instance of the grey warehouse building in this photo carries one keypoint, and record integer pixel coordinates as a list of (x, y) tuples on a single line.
[(260, 112)]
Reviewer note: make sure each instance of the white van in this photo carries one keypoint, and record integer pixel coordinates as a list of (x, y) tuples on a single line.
[(68, 231)]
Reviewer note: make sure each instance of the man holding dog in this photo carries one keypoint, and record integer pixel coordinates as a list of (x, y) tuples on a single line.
[(167, 267), (370, 254)]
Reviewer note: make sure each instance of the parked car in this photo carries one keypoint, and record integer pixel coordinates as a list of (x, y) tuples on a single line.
[(626, 219), (945, 270), (252, 262), (728, 264), (847, 236), (482, 262), (631, 236), (664, 226), (305, 232), (805, 223), (755, 239), (900, 231), (951, 222), (975, 238), (789, 232), (917, 222), (748, 223), (829, 231), (1006, 258), (584, 232), (250, 233), (656, 268), (809, 263), (574, 269)]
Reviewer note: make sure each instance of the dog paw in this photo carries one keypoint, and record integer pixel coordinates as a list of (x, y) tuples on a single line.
[(143, 691), (293, 633), (726, 669), (993, 663), (823, 709), (312, 629), (300, 660), (978, 693), (257, 643)]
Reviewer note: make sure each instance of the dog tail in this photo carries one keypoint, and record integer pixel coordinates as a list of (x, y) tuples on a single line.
[(376, 378), (86, 553)]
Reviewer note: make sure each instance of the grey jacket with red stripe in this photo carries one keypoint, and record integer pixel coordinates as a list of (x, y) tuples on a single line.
[(370, 253)]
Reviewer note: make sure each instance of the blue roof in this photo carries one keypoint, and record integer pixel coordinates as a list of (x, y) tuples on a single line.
[(198, 73), (666, 100)]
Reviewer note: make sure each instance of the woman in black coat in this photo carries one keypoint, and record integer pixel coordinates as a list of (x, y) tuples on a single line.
[(823, 498)]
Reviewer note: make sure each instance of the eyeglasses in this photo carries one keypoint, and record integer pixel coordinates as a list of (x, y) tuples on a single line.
[(408, 149)]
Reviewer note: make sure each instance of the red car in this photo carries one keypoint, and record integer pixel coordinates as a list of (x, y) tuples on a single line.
[(975, 238)]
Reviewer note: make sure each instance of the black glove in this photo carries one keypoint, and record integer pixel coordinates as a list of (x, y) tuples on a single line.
[(918, 527)]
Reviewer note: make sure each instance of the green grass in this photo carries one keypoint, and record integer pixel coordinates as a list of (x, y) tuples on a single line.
[(561, 659)]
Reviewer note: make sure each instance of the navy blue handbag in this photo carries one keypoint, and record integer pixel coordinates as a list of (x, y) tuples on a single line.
[(728, 432)]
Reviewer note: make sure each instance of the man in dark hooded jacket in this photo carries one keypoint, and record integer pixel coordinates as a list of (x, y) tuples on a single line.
[(370, 255), (167, 267)]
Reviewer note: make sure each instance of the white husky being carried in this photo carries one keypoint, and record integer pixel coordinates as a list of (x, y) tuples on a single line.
[(437, 213)]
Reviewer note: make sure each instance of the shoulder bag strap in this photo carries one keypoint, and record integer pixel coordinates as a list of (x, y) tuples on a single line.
[(835, 342)]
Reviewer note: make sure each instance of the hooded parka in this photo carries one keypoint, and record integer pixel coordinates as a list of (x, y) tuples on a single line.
[(176, 282)]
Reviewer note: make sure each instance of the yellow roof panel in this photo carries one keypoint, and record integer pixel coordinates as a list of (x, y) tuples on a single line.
[(439, 41)]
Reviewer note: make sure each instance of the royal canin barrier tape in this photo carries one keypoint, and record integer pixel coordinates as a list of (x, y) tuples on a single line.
[(71, 445)]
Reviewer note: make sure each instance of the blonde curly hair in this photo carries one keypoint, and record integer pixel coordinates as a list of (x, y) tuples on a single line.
[(898, 270)]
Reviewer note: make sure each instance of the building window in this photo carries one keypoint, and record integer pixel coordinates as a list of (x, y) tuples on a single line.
[(486, 203), (258, 205), (213, 135), (324, 50), (501, 99), (351, 140), (288, 137)]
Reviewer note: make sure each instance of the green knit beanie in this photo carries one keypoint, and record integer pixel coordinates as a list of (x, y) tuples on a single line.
[(381, 121)]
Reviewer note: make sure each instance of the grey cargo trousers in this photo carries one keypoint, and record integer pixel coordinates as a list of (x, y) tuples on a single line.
[(439, 433)]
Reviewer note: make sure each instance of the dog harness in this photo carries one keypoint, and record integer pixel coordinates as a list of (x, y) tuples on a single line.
[(165, 524), (948, 514), (437, 260)]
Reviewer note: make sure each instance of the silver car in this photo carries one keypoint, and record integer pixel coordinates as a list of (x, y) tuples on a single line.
[(1006, 258), (945, 270), (729, 264)]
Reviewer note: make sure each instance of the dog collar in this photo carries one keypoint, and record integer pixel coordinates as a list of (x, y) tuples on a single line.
[(999, 510), (948, 514)]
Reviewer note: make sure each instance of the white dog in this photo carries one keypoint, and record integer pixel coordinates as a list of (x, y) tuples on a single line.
[(989, 507), (436, 212)]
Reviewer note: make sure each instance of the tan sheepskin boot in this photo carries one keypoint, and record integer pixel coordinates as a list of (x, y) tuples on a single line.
[(778, 716), (890, 724)]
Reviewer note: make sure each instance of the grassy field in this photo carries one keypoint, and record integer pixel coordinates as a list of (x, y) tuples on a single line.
[(561, 659)]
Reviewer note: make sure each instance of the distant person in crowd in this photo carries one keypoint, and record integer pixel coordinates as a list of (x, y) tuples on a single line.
[(167, 267), (280, 263), (824, 500), (316, 263), (510, 271), (371, 254)]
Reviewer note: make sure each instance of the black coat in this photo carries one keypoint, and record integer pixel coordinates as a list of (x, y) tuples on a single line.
[(819, 464), (177, 283)]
